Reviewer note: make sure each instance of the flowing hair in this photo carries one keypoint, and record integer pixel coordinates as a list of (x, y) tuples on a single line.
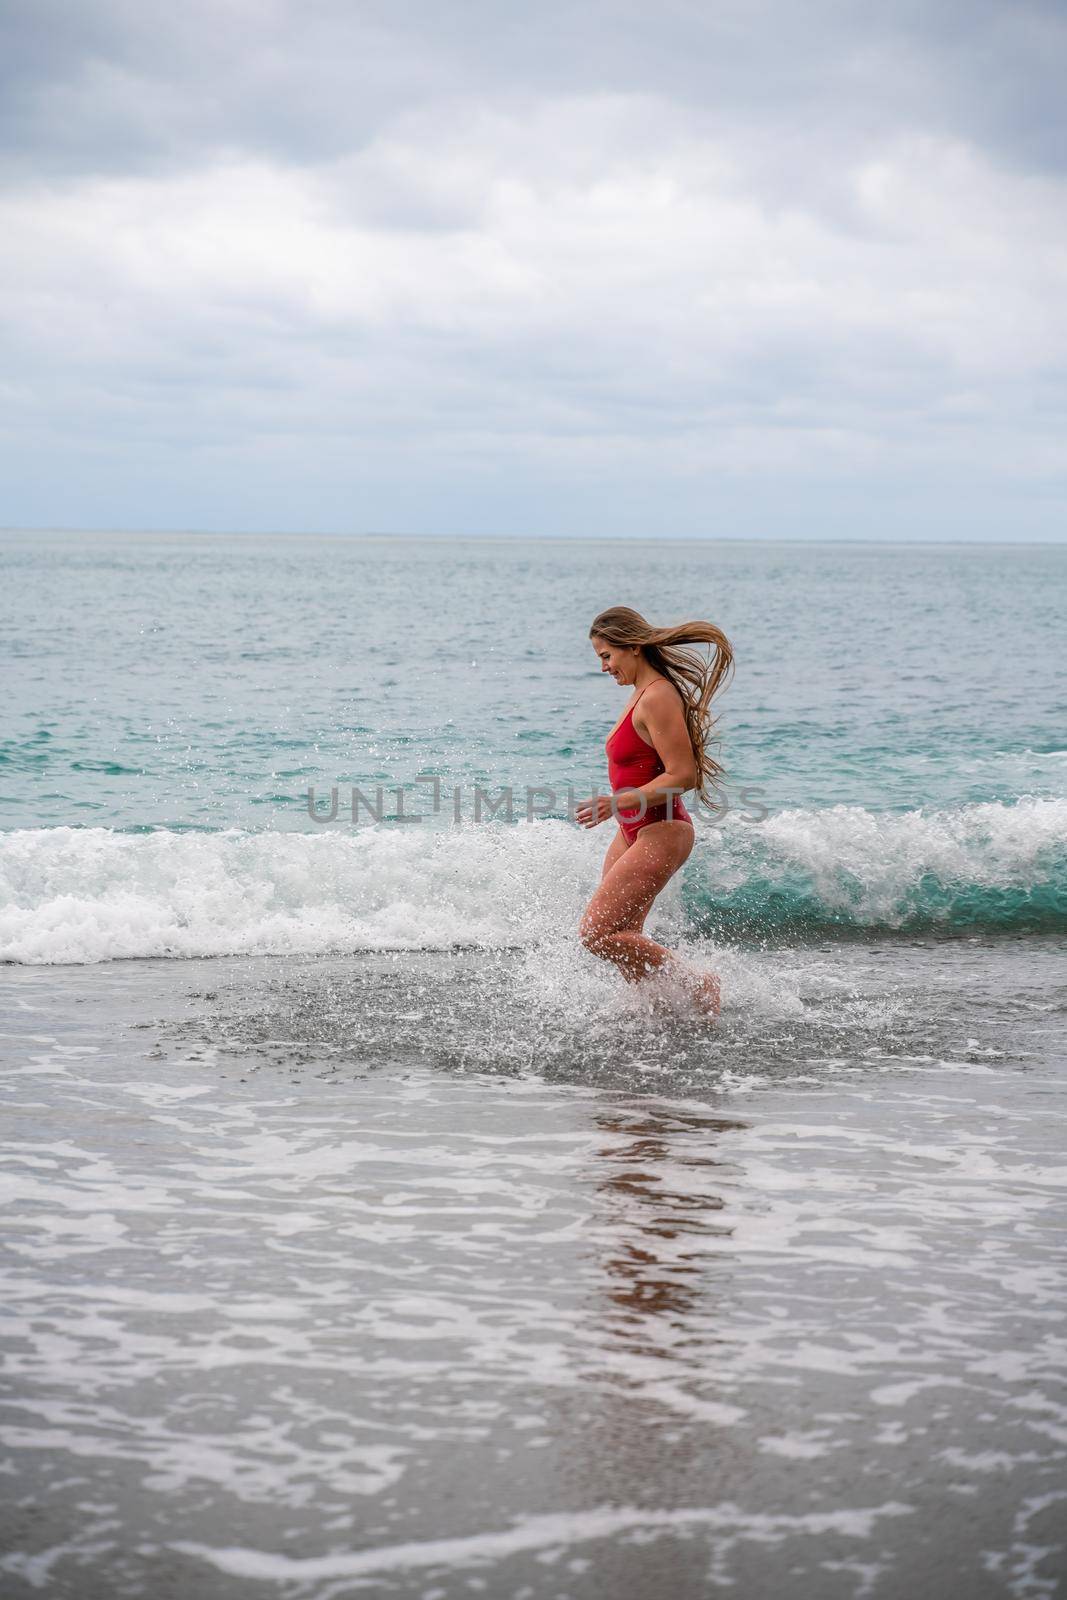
[(695, 677)]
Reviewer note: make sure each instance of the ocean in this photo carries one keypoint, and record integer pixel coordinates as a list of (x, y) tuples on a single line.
[(365, 1234)]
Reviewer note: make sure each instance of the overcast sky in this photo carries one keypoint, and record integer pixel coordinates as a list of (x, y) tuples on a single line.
[(705, 267)]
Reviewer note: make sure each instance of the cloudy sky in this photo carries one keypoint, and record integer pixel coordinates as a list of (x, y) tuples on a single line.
[(704, 268)]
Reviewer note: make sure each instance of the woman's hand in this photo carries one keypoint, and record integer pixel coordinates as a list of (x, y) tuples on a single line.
[(592, 812)]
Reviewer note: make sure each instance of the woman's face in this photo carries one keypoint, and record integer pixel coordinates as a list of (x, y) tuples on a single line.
[(618, 660)]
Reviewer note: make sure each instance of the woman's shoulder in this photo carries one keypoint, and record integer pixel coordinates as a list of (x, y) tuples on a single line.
[(662, 692)]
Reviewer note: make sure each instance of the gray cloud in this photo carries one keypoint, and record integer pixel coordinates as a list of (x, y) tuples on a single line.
[(113, 84), (743, 267)]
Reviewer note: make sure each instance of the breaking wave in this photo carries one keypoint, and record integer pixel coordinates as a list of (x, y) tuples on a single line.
[(74, 895)]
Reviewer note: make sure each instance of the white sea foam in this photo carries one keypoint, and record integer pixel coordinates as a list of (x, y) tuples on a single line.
[(872, 864), (538, 1533), (73, 895), (83, 895)]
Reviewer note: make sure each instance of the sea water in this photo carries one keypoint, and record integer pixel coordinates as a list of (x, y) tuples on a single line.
[(368, 1235), (894, 739)]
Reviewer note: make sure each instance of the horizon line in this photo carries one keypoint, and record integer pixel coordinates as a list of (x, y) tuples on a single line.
[(512, 538)]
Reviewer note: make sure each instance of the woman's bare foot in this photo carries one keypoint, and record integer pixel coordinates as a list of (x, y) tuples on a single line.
[(708, 994), (703, 986)]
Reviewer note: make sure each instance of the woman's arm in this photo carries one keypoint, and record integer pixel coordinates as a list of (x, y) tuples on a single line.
[(664, 719)]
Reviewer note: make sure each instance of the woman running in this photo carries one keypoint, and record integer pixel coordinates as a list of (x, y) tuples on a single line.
[(658, 750)]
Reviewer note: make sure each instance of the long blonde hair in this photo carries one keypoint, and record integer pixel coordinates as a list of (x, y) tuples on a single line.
[(695, 678)]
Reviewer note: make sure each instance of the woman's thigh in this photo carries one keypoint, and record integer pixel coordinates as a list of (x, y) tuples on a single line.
[(616, 850), (633, 881)]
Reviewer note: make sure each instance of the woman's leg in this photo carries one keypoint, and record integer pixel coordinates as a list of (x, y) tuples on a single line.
[(616, 849), (631, 879), (616, 913)]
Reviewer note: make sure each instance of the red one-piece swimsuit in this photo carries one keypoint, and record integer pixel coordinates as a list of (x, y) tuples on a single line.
[(633, 762)]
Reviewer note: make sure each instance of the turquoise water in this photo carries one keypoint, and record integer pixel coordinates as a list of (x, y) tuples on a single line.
[(899, 714), (387, 1242)]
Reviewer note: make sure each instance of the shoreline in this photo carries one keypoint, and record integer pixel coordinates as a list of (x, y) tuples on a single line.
[(288, 1309)]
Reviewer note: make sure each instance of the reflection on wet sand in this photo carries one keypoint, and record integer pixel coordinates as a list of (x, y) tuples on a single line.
[(652, 1331), (657, 1199)]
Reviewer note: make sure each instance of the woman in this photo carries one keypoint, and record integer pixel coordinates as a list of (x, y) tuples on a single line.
[(657, 751)]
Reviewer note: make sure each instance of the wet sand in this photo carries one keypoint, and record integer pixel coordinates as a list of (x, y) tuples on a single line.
[(326, 1278)]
